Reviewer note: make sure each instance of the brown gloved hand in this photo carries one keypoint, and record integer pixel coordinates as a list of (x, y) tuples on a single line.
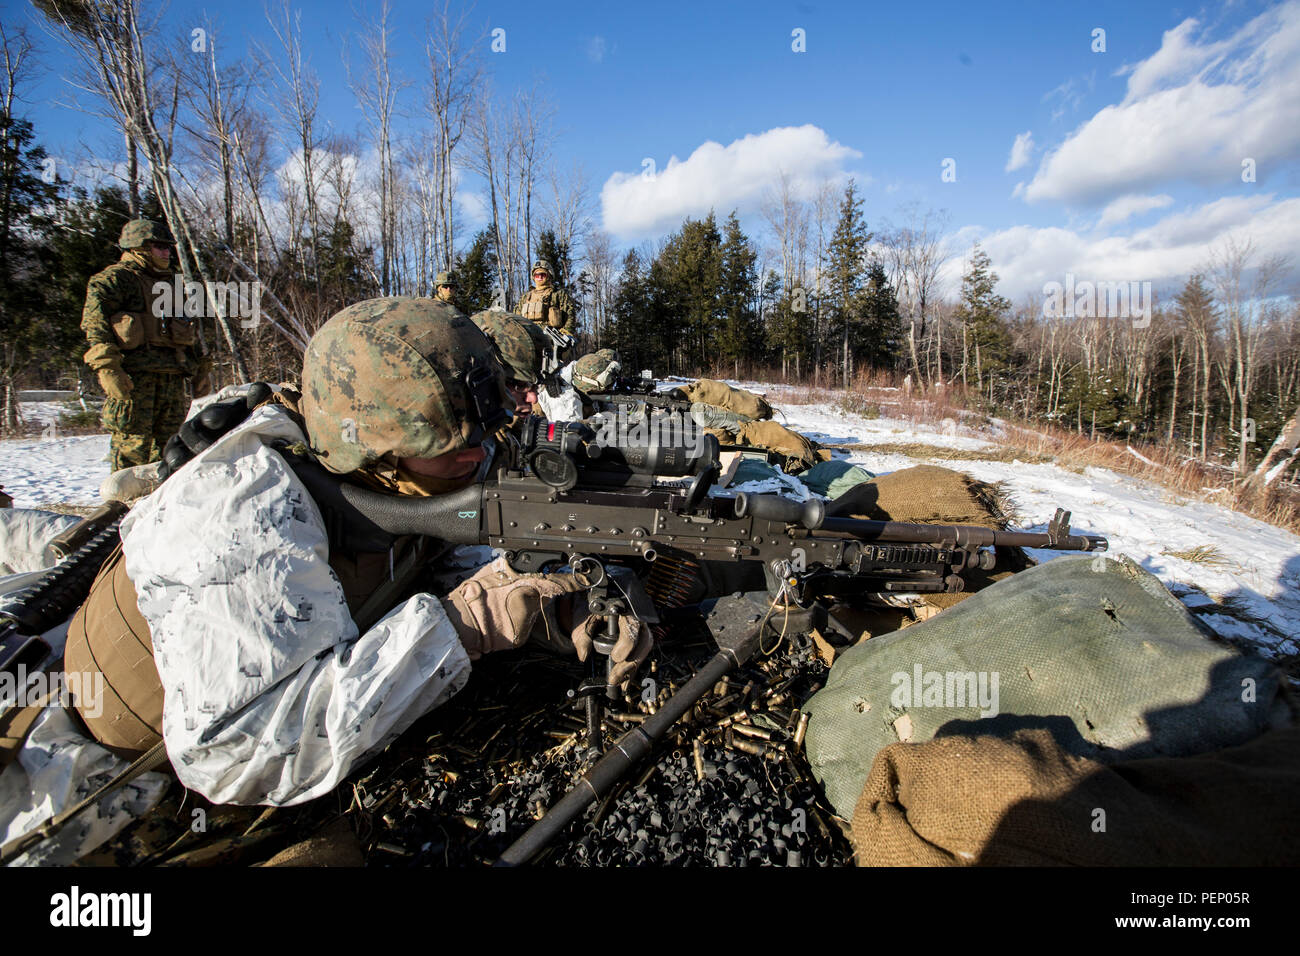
[(496, 608), (115, 383), (630, 650)]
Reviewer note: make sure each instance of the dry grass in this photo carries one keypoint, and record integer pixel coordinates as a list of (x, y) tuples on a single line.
[(926, 452), (1206, 554)]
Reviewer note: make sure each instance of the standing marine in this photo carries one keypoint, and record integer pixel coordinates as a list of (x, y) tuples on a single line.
[(546, 303), (445, 287), (141, 345)]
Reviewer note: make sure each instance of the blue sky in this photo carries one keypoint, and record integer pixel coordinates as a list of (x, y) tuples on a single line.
[(1130, 159)]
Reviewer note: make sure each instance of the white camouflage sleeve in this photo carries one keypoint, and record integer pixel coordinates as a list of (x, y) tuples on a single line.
[(270, 694)]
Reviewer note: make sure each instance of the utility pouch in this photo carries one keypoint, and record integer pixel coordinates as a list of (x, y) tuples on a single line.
[(168, 331), (129, 329)]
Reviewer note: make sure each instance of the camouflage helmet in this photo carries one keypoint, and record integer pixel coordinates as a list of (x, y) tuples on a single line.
[(521, 345), (399, 378), (544, 266), (139, 232), (444, 278), (596, 370)]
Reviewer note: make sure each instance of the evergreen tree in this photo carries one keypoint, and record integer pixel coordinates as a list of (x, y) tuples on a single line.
[(880, 343), (1097, 405), (559, 255), (741, 332), (630, 315), (25, 196), (845, 255), (342, 266), (986, 342), (687, 279), (80, 239), (476, 270)]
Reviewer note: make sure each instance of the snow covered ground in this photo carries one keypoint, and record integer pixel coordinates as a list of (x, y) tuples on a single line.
[(1249, 592), (66, 469), (53, 468)]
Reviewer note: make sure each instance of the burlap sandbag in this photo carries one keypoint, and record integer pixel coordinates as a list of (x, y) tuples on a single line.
[(1026, 801), (1093, 647), (794, 452), (925, 494), (722, 395), (928, 494), (798, 452)]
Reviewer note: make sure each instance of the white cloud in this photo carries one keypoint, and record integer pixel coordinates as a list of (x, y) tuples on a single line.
[(1165, 253), (1193, 111), (1125, 206), (1021, 150), (596, 48), (721, 178)]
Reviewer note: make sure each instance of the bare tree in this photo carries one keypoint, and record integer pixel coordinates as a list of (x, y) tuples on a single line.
[(1241, 289), (455, 75), (915, 252), (108, 41), (376, 91), (531, 132), (787, 217), (298, 105), (602, 266), (568, 211), (508, 152), (216, 96), (494, 157)]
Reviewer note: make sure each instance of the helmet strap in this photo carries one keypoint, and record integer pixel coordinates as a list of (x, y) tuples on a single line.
[(485, 401)]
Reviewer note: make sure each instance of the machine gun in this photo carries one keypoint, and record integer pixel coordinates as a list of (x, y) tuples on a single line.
[(561, 497), (614, 513)]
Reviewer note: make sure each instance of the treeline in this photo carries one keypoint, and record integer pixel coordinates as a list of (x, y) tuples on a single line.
[(233, 151), (700, 303)]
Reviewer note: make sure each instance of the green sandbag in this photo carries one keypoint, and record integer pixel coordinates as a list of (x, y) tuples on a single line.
[(710, 416), (830, 479), (1092, 648)]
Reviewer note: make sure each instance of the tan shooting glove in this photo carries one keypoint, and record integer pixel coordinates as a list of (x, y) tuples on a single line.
[(496, 608), (115, 383)]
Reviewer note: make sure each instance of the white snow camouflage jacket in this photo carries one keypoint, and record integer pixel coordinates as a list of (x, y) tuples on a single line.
[(270, 694)]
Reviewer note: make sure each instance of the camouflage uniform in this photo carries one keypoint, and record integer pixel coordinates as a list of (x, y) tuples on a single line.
[(390, 399), (152, 362), (549, 305), (520, 345)]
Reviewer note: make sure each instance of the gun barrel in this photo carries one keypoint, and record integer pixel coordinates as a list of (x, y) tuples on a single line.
[(962, 536)]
